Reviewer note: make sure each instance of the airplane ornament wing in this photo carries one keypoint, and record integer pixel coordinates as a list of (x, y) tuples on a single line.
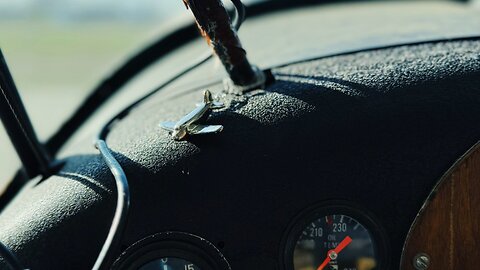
[(170, 126), (204, 129), (216, 105)]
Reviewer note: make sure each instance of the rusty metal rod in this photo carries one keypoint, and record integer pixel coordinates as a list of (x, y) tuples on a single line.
[(215, 25)]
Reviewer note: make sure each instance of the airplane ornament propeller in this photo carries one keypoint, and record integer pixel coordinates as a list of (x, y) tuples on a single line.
[(188, 125)]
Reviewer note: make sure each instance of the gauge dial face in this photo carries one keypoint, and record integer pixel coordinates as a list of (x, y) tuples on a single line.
[(334, 242), (170, 263), (172, 251)]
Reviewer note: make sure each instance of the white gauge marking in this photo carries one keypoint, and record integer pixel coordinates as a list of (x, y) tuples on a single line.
[(356, 226)]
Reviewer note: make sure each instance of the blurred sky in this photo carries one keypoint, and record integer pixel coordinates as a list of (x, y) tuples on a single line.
[(80, 10), (98, 10)]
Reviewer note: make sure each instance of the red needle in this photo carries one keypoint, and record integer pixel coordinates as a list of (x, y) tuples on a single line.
[(327, 260), (345, 242)]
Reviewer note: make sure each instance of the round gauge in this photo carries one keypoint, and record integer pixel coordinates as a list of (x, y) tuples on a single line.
[(172, 251), (335, 238)]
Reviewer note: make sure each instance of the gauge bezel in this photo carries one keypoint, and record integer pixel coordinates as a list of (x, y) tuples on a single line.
[(172, 244), (336, 207)]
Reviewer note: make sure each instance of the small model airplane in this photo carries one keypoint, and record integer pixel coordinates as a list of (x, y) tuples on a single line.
[(187, 124)]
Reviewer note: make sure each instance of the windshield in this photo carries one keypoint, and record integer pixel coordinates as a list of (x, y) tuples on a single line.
[(58, 51)]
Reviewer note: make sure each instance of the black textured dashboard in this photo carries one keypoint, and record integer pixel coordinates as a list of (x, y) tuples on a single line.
[(375, 129), (361, 127)]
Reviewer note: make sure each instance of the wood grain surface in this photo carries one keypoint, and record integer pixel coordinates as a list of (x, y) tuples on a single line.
[(447, 227)]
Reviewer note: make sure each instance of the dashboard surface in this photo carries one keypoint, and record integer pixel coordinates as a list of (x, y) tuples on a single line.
[(367, 134)]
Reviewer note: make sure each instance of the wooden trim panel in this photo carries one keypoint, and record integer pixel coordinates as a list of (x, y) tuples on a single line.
[(447, 228)]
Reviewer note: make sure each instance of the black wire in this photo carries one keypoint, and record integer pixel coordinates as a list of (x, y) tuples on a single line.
[(240, 13), (123, 194), (121, 210), (10, 258)]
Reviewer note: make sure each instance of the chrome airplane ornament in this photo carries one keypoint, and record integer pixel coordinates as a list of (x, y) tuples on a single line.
[(187, 125)]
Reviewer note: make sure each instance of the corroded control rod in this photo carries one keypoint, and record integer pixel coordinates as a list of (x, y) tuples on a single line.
[(215, 25)]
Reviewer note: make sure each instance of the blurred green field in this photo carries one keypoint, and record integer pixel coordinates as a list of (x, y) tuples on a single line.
[(56, 64), (43, 54)]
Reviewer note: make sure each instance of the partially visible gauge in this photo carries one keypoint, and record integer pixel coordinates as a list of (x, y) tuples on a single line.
[(335, 237), (334, 242), (172, 251), (169, 263)]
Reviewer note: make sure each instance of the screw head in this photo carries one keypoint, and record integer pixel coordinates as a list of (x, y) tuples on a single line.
[(333, 255), (421, 261)]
